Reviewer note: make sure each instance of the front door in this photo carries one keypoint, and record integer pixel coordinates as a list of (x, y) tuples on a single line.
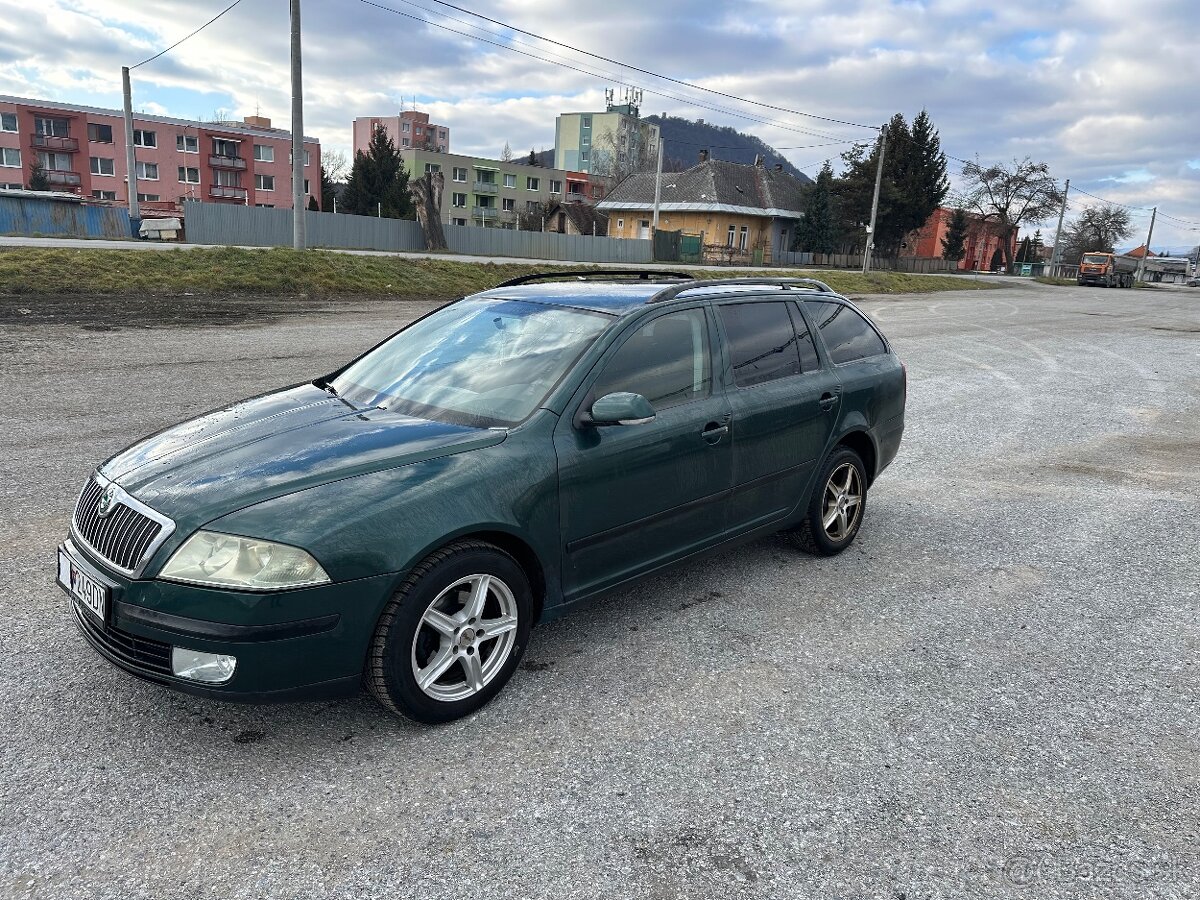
[(784, 408), (633, 497)]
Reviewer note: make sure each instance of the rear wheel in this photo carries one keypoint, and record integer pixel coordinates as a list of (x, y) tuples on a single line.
[(836, 507), (452, 635)]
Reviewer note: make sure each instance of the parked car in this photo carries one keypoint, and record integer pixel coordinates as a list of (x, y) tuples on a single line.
[(406, 520)]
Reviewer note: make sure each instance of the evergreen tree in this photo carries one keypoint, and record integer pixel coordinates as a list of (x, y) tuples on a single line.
[(37, 177), (378, 182), (313, 204), (1023, 250), (533, 160), (817, 230), (954, 243)]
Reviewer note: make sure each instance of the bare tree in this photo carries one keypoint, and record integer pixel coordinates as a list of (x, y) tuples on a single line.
[(334, 164), (426, 193), (506, 154), (1006, 197), (615, 160), (532, 217), (1096, 228)]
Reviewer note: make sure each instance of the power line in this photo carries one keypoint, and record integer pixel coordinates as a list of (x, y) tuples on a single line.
[(592, 74), (1113, 202), (687, 84), (193, 34)]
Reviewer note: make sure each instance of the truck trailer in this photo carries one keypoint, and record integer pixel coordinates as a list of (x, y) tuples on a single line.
[(1107, 269)]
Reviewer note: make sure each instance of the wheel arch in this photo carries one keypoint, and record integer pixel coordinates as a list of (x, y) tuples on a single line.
[(861, 442)]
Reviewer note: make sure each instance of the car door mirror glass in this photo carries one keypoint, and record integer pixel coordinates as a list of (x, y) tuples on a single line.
[(621, 408)]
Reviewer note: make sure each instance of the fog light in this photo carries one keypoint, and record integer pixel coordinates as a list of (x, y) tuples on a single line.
[(211, 668)]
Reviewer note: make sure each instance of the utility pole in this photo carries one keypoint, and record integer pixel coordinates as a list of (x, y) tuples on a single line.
[(658, 183), (1141, 268), (1058, 232), (130, 159), (875, 202), (298, 206)]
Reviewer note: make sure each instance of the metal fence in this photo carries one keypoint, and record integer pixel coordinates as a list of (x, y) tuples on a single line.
[(854, 261), (227, 224), (28, 215)]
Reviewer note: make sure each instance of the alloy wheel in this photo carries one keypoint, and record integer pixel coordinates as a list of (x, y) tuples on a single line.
[(842, 503), (464, 638)]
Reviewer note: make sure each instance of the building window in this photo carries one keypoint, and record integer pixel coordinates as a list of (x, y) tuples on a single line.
[(583, 155), (189, 175), (52, 127), (307, 158), (459, 200), (227, 149), (532, 184), (404, 142), (264, 153), (510, 181), (405, 128), (306, 186), (9, 186), (187, 143), (144, 138), (99, 134), (460, 174), (8, 121), (744, 238), (509, 204), (265, 182), (104, 195), (147, 171), (55, 162), (731, 236), (485, 202), (102, 166), (532, 206), (224, 178), (148, 198), (620, 224), (458, 221), (265, 205), (10, 158), (555, 186), (432, 167), (587, 121)]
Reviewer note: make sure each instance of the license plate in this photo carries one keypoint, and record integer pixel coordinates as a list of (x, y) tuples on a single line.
[(83, 588)]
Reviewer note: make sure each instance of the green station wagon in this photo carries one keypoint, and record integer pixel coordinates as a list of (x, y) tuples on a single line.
[(404, 521)]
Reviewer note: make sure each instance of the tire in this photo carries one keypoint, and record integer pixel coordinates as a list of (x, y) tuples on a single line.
[(812, 535), (429, 660)]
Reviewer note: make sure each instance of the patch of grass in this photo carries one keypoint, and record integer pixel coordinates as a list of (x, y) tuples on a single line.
[(1047, 279), (228, 270)]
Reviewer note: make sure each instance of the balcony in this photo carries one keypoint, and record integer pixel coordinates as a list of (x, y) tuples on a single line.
[(486, 187), (485, 212), (576, 196), (226, 162), (57, 176), (54, 142), (225, 192)]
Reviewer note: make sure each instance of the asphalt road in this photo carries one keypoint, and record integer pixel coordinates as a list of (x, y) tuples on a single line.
[(993, 694)]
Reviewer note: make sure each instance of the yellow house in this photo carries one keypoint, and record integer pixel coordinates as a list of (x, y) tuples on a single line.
[(741, 214)]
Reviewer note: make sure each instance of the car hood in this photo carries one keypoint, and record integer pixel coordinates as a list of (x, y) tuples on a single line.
[(273, 445)]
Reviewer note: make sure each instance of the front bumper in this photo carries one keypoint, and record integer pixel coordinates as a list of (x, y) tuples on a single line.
[(304, 644)]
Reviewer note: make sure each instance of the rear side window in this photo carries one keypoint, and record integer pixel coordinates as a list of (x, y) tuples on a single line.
[(762, 342), (804, 343), (848, 336), (666, 361)]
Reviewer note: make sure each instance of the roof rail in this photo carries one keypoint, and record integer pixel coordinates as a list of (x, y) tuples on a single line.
[(675, 290), (640, 274)]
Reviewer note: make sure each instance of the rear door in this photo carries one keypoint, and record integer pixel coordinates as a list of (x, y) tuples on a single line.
[(633, 497), (784, 405)]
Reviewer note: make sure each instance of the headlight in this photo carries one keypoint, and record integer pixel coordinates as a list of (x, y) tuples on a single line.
[(249, 564)]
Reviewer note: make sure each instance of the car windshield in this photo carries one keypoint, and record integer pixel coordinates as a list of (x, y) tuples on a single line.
[(1095, 259), (485, 362)]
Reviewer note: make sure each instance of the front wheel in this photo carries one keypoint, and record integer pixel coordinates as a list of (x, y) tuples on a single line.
[(836, 507), (452, 635)]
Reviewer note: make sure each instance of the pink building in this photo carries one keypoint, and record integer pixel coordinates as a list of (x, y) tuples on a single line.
[(82, 149), (409, 130)]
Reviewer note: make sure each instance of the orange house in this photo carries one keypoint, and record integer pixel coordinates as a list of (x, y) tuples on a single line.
[(979, 246)]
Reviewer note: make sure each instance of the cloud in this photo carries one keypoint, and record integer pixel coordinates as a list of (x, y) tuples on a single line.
[(1098, 92)]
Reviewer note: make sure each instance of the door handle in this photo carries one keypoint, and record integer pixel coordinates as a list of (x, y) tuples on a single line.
[(713, 432), (828, 401)]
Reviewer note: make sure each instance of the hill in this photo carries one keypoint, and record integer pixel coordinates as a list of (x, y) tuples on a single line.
[(684, 139)]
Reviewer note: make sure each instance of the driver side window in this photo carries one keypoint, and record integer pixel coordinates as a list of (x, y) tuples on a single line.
[(666, 361)]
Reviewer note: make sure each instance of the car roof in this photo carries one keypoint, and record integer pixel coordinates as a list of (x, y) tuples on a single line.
[(617, 298)]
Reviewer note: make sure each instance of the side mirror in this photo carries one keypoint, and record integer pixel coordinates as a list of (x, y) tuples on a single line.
[(620, 409)]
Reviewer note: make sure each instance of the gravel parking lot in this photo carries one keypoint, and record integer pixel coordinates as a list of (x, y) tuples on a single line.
[(994, 693)]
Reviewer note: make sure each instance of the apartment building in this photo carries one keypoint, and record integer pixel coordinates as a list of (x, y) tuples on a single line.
[(492, 193), (409, 130), (608, 143), (82, 150)]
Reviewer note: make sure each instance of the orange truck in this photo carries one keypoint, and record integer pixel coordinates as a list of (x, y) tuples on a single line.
[(1107, 269)]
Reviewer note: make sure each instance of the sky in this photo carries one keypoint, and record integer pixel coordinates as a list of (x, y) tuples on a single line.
[(1104, 92)]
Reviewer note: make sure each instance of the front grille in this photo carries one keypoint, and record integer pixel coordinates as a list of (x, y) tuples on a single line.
[(139, 653), (122, 537)]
